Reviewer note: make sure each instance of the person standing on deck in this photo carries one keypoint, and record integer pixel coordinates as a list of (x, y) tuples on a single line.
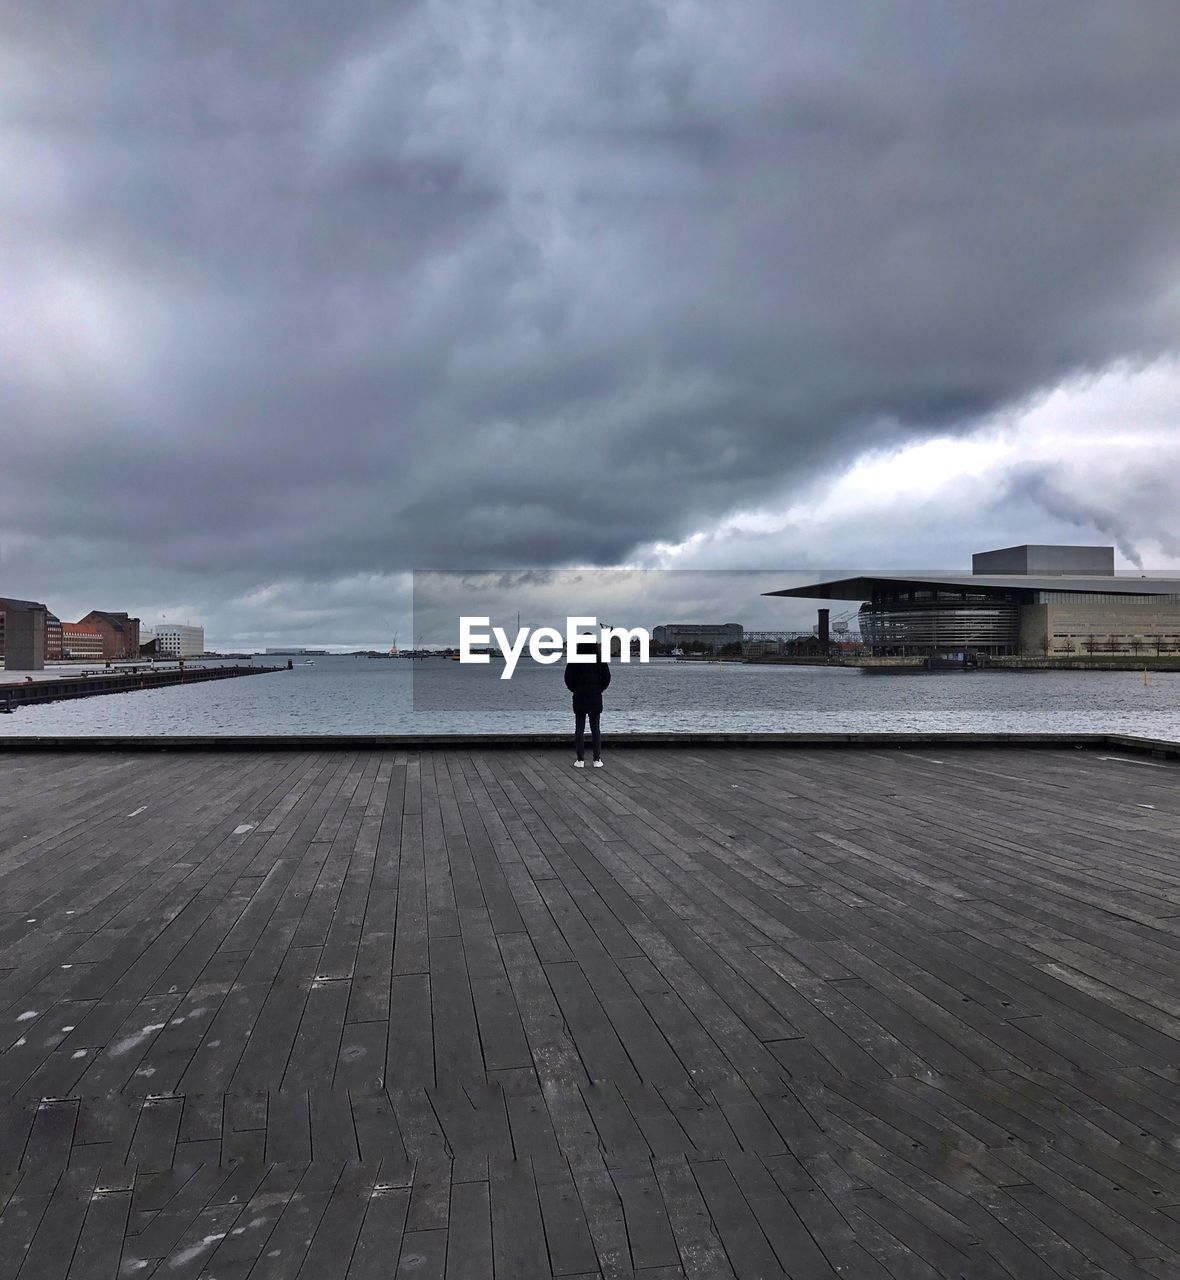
[(586, 680)]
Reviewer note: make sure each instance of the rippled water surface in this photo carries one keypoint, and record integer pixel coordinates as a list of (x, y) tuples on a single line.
[(358, 695)]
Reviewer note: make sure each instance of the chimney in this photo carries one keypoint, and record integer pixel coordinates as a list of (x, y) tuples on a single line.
[(824, 636)]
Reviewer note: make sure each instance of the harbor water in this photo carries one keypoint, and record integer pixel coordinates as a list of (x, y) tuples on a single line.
[(347, 695)]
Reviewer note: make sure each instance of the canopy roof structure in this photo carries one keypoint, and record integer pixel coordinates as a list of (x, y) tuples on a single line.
[(864, 586)]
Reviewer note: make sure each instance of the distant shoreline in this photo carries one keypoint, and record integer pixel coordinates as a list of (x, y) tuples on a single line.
[(1087, 662)]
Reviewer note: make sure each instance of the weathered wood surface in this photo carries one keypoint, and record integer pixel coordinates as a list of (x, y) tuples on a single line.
[(707, 1012)]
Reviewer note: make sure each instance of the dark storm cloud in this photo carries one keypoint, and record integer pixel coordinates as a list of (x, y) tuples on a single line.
[(310, 291)]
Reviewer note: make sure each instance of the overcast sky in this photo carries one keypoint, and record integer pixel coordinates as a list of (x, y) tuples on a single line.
[(297, 298)]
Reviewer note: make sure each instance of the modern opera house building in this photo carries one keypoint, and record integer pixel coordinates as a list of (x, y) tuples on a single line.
[(1028, 600)]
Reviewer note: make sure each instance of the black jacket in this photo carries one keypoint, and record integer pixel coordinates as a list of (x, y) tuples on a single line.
[(586, 681)]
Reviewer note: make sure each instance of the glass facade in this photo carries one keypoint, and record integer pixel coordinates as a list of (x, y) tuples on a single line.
[(908, 620)]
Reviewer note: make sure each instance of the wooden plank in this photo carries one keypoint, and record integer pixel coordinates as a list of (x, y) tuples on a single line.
[(380, 1236), (571, 1250), (338, 1231), (458, 1053), (423, 1256), (288, 1128), (603, 1208), (100, 1243), (51, 1249), (518, 1234), (469, 1239), (410, 1049), (648, 1230), (154, 1143), (702, 1253), (333, 1134)]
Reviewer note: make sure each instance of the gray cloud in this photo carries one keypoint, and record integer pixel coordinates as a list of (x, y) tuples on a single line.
[(306, 297), (1123, 507)]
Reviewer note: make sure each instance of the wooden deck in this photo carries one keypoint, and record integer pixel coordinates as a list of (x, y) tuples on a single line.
[(708, 1012)]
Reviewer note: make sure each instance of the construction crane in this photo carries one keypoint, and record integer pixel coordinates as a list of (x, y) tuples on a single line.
[(839, 624)]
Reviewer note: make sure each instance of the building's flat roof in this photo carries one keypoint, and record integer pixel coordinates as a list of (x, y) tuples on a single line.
[(860, 586)]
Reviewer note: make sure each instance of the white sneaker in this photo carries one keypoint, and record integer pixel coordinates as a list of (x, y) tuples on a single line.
[(579, 764), (598, 764)]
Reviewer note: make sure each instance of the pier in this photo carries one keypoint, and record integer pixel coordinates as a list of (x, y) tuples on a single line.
[(133, 679), (743, 1010)]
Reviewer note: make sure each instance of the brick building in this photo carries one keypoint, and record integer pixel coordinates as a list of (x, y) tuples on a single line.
[(81, 643), (120, 634)]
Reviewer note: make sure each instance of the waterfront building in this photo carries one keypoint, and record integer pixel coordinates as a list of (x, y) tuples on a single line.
[(81, 643), (52, 638), (1032, 601), (712, 636), (179, 641), (120, 633), (22, 634)]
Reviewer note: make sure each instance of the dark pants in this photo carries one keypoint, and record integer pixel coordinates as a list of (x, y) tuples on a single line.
[(580, 733)]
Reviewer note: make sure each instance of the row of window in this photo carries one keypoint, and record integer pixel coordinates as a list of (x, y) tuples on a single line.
[(1101, 597)]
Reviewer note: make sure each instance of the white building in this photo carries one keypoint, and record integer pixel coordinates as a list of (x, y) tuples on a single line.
[(179, 641)]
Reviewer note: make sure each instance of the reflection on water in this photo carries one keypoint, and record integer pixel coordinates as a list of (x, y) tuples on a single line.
[(358, 695)]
